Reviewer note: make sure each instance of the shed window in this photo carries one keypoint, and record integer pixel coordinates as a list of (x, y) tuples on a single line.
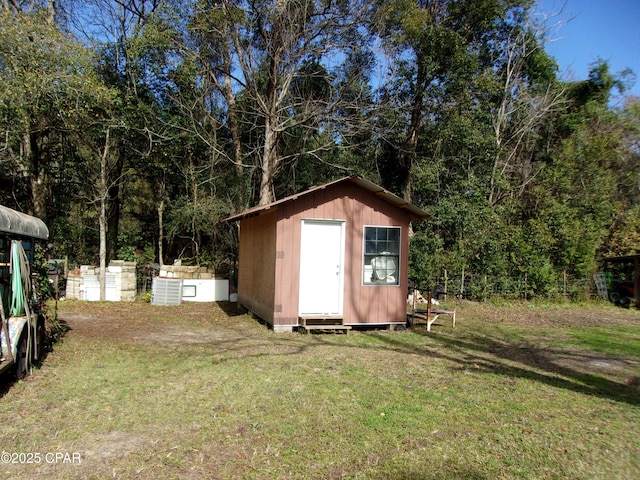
[(381, 256)]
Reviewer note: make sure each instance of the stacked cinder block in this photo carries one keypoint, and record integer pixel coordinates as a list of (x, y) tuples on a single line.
[(125, 279), (74, 282), (120, 281), (189, 272)]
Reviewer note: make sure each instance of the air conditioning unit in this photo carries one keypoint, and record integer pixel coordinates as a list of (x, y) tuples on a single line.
[(166, 291)]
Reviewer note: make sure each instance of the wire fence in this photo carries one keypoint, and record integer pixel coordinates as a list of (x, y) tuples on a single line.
[(144, 277), (484, 287)]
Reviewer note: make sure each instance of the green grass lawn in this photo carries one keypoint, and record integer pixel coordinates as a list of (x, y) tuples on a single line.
[(140, 391)]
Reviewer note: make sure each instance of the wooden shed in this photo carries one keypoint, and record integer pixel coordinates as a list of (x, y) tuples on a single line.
[(336, 253)]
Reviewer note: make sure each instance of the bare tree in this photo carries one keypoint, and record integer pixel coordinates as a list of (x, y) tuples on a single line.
[(520, 113), (113, 27), (268, 50)]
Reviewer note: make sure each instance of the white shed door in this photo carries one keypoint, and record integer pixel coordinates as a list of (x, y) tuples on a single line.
[(321, 267)]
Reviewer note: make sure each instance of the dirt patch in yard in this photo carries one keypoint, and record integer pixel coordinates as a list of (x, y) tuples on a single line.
[(194, 323), (211, 322), (102, 447)]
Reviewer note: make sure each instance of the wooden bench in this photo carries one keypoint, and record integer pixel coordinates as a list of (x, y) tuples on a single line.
[(322, 322), (430, 314)]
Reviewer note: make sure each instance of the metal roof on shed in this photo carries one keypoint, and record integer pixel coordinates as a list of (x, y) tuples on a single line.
[(12, 221), (415, 212)]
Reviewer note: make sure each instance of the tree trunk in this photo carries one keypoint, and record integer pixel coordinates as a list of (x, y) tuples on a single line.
[(234, 128), (160, 231), (37, 175), (407, 158), (113, 214), (113, 222), (269, 165), (102, 220), (103, 191), (269, 162)]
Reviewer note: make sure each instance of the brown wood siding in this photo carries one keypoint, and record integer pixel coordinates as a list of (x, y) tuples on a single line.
[(375, 304), (379, 304), (287, 267), (256, 265)]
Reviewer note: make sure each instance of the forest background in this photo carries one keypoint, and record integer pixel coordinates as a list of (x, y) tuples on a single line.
[(134, 127)]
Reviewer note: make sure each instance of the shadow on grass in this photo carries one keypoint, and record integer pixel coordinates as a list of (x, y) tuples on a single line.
[(230, 308), (483, 352), (498, 356)]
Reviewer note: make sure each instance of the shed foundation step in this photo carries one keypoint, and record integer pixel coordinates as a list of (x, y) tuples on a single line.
[(322, 322)]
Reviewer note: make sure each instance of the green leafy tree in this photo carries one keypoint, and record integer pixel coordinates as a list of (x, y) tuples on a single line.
[(49, 92), (623, 234), (575, 199)]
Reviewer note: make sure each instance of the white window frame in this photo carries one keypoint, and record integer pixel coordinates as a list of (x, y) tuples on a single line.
[(381, 252)]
